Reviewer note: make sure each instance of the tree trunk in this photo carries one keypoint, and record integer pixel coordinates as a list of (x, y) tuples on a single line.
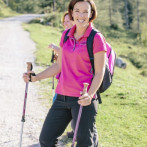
[(54, 6), (7, 1), (110, 12), (126, 14), (138, 18)]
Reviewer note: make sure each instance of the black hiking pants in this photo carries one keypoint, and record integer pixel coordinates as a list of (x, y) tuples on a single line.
[(63, 110)]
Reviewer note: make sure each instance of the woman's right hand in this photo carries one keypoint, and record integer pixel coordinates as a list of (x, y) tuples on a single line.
[(26, 77)]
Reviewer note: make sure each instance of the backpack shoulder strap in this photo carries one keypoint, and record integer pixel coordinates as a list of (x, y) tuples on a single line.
[(66, 37), (90, 40)]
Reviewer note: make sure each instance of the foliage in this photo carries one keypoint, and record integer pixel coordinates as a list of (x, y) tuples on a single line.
[(143, 34), (116, 20), (114, 26), (5, 11), (52, 19), (130, 14), (144, 73), (26, 6)]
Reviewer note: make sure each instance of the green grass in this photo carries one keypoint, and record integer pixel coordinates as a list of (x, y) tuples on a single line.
[(122, 118), (43, 36)]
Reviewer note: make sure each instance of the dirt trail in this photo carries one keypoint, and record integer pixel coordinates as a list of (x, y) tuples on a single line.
[(16, 48)]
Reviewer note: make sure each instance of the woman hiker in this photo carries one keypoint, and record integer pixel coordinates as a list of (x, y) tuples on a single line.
[(74, 64), (67, 24)]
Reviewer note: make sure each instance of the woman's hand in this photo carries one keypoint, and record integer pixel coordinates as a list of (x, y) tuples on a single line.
[(54, 47), (85, 99), (26, 77)]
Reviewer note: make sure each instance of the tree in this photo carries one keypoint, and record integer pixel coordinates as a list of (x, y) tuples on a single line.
[(62, 5), (126, 14), (138, 17), (130, 14), (110, 11), (128, 10), (54, 5)]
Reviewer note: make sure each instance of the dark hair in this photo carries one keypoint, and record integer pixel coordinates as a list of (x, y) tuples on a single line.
[(92, 4), (63, 18)]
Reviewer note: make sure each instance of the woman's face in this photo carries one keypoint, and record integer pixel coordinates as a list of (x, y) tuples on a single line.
[(67, 22), (81, 14)]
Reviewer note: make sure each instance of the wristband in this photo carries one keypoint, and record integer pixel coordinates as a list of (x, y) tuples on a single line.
[(32, 74)]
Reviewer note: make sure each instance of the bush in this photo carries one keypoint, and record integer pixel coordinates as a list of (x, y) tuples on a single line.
[(136, 59), (36, 20), (144, 73), (114, 26), (53, 19)]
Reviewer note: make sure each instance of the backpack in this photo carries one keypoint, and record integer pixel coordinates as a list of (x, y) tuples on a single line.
[(110, 63)]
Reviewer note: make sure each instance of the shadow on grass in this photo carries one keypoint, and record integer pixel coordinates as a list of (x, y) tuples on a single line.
[(34, 145), (64, 141)]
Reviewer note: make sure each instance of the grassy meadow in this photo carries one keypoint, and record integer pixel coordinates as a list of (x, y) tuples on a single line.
[(122, 118)]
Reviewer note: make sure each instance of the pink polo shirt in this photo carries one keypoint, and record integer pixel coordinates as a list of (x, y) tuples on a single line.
[(76, 66)]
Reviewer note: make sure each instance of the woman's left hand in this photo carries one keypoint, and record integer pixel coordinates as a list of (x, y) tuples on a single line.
[(54, 47), (85, 99)]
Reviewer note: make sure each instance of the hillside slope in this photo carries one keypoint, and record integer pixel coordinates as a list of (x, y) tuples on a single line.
[(5, 11)]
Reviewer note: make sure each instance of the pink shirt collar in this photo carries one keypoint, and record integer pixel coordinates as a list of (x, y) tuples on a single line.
[(86, 34)]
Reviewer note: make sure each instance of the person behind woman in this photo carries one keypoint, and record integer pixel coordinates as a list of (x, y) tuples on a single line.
[(75, 67), (67, 24)]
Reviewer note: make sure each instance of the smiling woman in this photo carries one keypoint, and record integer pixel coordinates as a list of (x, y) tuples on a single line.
[(85, 7), (82, 13), (75, 67)]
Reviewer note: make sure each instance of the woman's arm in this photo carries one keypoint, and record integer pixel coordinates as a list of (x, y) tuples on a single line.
[(99, 65), (52, 70), (49, 72)]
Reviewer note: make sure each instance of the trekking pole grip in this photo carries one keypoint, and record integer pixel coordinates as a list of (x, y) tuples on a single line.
[(29, 66), (85, 88)]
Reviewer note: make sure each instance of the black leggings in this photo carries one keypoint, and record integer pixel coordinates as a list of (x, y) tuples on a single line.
[(64, 110)]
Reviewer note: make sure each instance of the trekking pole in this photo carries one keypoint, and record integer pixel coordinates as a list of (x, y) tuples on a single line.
[(29, 67), (53, 81), (79, 116)]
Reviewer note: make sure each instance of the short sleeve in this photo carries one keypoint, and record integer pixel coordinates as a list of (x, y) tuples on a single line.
[(99, 43), (62, 38)]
